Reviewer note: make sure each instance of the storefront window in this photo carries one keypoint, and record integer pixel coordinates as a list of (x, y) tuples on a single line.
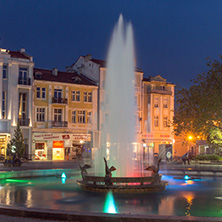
[(58, 150), (40, 151)]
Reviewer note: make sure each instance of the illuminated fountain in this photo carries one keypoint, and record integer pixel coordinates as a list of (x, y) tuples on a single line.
[(119, 149)]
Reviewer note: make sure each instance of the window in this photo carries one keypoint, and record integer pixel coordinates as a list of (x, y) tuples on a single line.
[(156, 121), (22, 105), (57, 115), (88, 97), (23, 73), (165, 122), (75, 95), (165, 102), (40, 93), (73, 116), (40, 114), (89, 115), (57, 93), (85, 96), (4, 105), (156, 102), (43, 93), (81, 116), (5, 72)]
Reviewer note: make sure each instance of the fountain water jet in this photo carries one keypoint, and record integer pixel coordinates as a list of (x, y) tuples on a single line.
[(119, 125), (119, 105)]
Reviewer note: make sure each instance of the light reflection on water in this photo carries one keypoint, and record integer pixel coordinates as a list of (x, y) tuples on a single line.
[(182, 197)]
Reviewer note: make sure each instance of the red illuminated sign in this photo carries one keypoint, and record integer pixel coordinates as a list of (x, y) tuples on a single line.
[(58, 144)]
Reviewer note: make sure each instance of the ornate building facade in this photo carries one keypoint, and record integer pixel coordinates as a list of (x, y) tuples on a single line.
[(16, 72)]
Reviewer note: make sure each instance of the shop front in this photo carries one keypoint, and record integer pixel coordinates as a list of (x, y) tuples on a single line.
[(4, 140), (57, 146), (58, 150)]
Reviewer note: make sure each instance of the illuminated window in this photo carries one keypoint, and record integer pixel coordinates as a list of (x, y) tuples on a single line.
[(81, 116), (73, 116), (5, 72), (40, 114), (156, 121), (4, 105)]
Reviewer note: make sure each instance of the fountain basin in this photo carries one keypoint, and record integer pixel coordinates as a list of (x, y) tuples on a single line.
[(123, 184)]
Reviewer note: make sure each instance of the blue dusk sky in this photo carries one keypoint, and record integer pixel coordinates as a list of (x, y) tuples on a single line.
[(173, 38)]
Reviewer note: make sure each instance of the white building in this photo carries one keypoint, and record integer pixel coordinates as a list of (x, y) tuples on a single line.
[(16, 71), (95, 69)]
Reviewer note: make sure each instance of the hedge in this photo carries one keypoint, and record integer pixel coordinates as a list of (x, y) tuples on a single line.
[(207, 157)]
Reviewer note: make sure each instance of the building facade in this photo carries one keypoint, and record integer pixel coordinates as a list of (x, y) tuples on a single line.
[(158, 112), (16, 71), (95, 69), (65, 115)]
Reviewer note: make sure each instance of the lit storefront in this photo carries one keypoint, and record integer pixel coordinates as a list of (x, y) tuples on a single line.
[(57, 146), (4, 140)]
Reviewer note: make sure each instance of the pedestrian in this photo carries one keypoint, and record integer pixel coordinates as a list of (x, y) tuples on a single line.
[(185, 158)]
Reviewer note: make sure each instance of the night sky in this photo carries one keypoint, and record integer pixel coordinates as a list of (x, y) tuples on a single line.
[(173, 38)]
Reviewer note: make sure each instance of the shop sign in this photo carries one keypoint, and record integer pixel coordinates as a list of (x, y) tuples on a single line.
[(84, 137), (46, 136), (58, 144), (65, 137)]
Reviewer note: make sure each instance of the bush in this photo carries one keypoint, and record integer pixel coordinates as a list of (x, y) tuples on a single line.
[(207, 157)]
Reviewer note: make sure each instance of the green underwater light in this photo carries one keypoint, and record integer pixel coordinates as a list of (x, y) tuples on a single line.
[(110, 206), (16, 181)]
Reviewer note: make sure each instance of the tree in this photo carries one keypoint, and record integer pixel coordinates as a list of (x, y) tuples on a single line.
[(198, 110), (16, 144)]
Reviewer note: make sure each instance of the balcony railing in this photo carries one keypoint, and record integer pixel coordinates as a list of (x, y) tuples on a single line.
[(59, 100), (26, 81), (159, 91), (59, 123), (24, 122)]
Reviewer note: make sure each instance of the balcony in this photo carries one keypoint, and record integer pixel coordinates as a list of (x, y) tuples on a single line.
[(59, 123), (26, 81), (59, 100), (24, 122), (160, 91)]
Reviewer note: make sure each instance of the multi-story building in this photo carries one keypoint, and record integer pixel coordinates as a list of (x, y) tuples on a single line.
[(95, 69), (16, 71), (158, 112), (65, 114)]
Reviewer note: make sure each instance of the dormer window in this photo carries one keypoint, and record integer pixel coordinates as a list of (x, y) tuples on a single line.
[(76, 79), (38, 75)]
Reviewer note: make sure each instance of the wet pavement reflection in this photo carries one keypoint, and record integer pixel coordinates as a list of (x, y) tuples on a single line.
[(196, 197)]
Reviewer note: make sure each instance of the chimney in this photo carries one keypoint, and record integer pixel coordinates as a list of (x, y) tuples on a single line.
[(22, 50), (55, 71)]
